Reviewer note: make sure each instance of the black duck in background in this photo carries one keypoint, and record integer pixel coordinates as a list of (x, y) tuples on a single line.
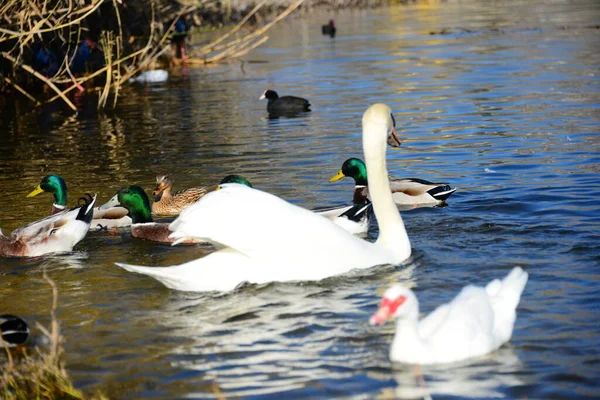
[(329, 29), (284, 105)]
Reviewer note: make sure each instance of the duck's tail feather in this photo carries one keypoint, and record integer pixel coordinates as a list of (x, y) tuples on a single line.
[(86, 210), (505, 295), (442, 192), (358, 212)]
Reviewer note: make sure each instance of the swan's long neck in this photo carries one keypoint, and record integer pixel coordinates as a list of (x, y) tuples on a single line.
[(392, 233)]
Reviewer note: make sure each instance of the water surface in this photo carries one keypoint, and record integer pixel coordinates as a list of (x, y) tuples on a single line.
[(503, 105)]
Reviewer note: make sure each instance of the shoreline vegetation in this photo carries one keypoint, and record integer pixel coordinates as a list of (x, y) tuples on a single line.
[(57, 49), (38, 372)]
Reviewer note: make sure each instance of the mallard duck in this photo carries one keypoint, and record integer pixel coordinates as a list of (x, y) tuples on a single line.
[(476, 322), (14, 330), (354, 218), (53, 234), (235, 179), (135, 200), (166, 203), (285, 104), (405, 191), (263, 238), (56, 185)]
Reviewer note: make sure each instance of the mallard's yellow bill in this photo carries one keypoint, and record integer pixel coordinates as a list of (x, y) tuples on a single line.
[(338, 176), (36, 191)]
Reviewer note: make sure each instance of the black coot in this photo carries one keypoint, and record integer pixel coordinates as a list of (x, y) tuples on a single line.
[(329, 29), (285, 104)]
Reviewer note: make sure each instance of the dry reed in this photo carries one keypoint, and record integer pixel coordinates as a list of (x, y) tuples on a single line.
[(40, 373), (129, 37)]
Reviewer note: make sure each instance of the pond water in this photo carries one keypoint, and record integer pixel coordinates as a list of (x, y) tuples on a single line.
[(502, 101)]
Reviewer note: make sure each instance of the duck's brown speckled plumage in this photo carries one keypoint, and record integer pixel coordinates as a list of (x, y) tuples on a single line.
[(167, 203)]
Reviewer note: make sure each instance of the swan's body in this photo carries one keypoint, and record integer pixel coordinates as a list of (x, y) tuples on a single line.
[(54, 234), (265, 238), (477, 321), (353, 219)]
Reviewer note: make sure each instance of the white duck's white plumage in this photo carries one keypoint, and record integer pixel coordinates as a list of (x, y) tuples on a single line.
[(265, 238), (476, 322)]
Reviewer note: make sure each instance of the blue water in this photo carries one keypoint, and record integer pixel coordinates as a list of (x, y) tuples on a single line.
[(503, 104)]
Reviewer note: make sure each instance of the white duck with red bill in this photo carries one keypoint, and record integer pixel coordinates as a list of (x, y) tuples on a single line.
[(476, 322)]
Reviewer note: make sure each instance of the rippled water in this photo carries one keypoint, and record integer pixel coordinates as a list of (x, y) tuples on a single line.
[(504, 105)]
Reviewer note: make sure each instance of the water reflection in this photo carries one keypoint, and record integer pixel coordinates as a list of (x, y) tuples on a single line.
[(489, 377)]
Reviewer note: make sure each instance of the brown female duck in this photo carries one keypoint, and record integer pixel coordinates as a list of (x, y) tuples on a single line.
[(166, 203)]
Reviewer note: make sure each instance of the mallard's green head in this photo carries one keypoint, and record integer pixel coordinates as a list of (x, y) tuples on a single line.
[(52, 184), (353, 168), (135, 200), (235, 179)]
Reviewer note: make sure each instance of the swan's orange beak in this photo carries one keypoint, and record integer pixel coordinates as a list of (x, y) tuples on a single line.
[(393, 140)]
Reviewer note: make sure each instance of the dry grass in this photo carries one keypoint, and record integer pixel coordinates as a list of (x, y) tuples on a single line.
[(131, 36), (40, 373)]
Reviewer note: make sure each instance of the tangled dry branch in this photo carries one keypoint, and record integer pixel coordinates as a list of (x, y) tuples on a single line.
[(50, 48)]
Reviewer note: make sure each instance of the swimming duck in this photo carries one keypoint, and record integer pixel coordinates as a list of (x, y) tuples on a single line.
[(166, 203), (405, 191), (14, 330), (284, 105), (103, 218), (329, 28), (135, 200), (257, 244), (53, 234), (476, 322), (235, 179)]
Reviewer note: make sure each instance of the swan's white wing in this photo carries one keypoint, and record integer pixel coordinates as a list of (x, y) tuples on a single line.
[(257, 223), (288, 242)]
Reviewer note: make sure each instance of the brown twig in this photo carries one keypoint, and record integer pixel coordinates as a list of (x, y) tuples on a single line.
[(236, 28), (23, 92), (93, 8)]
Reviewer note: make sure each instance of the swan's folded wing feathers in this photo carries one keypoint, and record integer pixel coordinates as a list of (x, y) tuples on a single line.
[(256, 223)]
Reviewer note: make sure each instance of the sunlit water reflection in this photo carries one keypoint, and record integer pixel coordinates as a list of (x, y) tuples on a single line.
[(503, 105)]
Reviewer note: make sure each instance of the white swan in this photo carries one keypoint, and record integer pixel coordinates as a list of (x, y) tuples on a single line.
[(476, 322), (265, 238)]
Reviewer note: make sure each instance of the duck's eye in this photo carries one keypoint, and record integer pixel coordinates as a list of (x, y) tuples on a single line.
[(393, 120)]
